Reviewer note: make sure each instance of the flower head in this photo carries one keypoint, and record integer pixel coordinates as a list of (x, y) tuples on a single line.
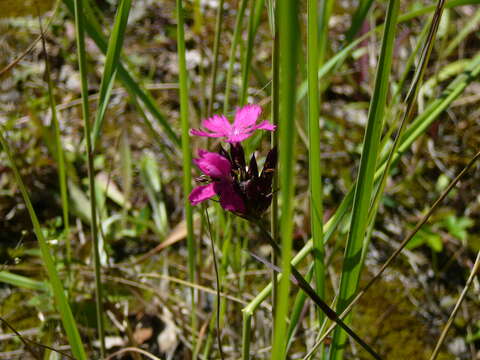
[(244, 124), (218, 168), (242, 189)]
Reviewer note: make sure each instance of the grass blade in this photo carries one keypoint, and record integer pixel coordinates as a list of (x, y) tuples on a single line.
[(443, 335), (233, 52), (61, 301), (60, 157), (314, 161), (287, 22), (216, 48), (253, 22), (357, 19), (410, 102), (82, 63), (23, 281), (297, 308), (275, 109), (114, 48), (187, 156), (364, 186)]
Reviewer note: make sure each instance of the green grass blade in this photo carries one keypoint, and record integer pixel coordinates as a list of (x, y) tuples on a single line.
[(314, 161), (364, 186), (60, 157), (130, 84), (410, 105), (114, 48), (82, 63), (246, 334), (126, 168), (61, 301), (256, 9), (287, 22), (358, 19), (216, 48), (187, 156), (233, 52), (275, 114), (23, 281), (451, 318), (297, 308)]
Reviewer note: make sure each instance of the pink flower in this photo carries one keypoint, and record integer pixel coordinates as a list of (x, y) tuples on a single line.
[(244, 124), (218, 168)]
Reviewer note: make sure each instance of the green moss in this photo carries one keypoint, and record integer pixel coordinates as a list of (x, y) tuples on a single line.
[(15, 8), (392, 325)]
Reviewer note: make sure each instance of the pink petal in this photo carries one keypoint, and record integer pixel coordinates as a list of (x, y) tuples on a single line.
[(229, 199), (203, 133), (235, 138), (213, 164), (217, 124), (202, 193), (265, 125), (246, 116)]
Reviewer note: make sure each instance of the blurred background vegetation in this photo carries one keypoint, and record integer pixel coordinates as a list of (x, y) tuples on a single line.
[(140, 201)]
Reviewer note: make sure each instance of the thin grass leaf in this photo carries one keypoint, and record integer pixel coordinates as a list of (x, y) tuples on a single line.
[(60, 157), (112, 61), (314, 161), (126, 171), (61, 300), (130, 84), (23, 281), (358, 19), (246, 333), (151, 179), (410, 101), (288, 27), (82, 62), (187, 156), (297, 308), (275, 114), (216, 48), (233, 52), (451, 318), (352, 265), (253, 22)]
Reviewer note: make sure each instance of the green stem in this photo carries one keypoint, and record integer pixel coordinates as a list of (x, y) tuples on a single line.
[(288, 46), (246, 334), (275, 109), (79, 18), (233, 51), (187, 158), (216, 48), (314, 161), (62, 177)]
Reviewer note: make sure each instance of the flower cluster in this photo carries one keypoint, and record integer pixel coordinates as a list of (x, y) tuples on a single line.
[(241, 189)]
